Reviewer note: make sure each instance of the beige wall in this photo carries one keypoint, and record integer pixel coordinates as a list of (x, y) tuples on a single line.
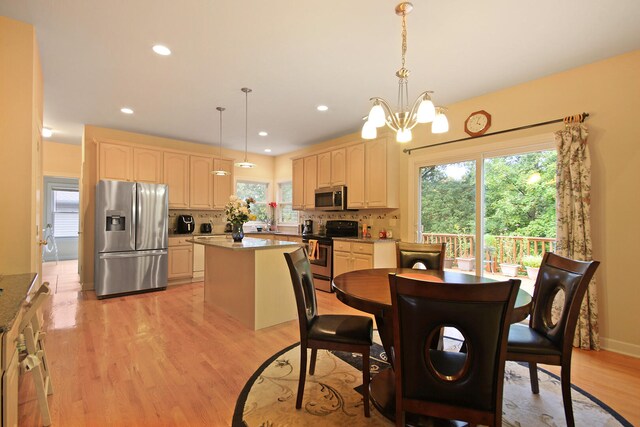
[(63, 160), (263, 172), (610, 92), (20, 154)]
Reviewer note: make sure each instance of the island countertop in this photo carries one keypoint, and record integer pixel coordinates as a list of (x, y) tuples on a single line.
[(248, 243), (15, 287)]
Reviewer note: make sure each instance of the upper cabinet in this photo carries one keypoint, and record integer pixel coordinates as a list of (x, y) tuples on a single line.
[(115, 162), (176, 175), (355, 176), (222, 184), (332, 168), (297, 184), (147, 165), (310, 181), (201, 182)]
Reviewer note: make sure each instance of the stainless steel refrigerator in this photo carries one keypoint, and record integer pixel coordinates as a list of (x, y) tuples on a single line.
[(131, 237)]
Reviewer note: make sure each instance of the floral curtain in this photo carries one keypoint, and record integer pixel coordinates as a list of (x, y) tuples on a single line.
[(573, 185)]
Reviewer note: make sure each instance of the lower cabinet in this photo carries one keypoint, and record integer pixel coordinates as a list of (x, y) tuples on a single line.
[(198, 262), (180, 258), (357, 255)]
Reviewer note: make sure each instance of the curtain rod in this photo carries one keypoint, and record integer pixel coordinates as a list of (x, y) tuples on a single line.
[(568, 119)]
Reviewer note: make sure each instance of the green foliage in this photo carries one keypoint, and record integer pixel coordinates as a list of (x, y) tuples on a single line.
[(532, 261), (514, 204)]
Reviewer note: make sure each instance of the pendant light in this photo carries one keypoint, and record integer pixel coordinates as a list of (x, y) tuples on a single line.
[(246, 164), (220, 172)]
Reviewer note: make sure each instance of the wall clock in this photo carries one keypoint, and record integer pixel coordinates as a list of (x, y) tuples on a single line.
[(477, 123)]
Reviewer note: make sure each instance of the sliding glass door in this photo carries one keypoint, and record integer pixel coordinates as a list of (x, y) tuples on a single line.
[(495, 211)]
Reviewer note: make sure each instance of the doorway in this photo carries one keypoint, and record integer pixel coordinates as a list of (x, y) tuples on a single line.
[(60, 219)]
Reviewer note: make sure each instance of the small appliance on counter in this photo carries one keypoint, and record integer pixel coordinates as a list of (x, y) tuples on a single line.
[(185, 224), (308, 226), (205, 227), (228, 228)]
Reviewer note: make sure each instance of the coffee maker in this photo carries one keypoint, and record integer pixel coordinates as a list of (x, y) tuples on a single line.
[(308, 226)]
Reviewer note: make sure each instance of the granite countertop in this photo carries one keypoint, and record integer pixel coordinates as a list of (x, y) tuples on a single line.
[(278, 233), (365, 240), (15, 288), (171, 234), (248, 243)]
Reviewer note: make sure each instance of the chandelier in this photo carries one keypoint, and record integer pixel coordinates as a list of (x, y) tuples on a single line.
[(246, 163), (220, 172), (405, 119)]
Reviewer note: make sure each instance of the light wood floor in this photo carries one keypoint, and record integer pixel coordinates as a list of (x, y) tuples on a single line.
[(165, 358)]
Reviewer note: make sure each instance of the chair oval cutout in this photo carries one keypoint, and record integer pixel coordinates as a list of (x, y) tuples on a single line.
[(554, 308), (448, 365), (419, 265)]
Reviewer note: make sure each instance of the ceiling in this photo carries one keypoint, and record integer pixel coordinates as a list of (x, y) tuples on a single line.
[(295, 55)]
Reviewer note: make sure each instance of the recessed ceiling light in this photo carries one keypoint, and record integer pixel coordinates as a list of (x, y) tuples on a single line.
[(263, 133), (47, 132), (322, 108), (267, 150), (126, 110), (162, 50)]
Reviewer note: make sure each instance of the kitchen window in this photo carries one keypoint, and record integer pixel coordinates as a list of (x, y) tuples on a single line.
[(259, 191), (286, 214)]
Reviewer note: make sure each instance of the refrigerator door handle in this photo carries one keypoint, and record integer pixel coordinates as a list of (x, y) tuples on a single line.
[(134, 214), (110, 255)]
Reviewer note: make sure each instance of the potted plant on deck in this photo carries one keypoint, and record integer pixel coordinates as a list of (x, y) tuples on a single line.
[(466, 262), (509, 268), (532, 264)]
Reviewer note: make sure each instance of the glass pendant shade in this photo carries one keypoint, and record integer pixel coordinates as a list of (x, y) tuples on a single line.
[(376, 116), (426, 111), (246, 164), (403, 135), (369, 131), (440, 123)]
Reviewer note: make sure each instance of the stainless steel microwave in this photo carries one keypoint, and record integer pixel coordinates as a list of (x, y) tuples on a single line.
[(331, 199)]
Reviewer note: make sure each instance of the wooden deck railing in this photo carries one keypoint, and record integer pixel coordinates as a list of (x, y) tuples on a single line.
[(508, 249)]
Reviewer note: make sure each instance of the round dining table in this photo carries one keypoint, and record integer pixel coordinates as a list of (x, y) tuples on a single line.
[(369, 291)]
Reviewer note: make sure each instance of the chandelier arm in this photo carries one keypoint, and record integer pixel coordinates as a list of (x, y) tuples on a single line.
[(392, 120)]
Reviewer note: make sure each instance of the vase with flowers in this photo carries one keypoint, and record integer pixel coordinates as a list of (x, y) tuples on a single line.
[(272, 218), (238, 212)]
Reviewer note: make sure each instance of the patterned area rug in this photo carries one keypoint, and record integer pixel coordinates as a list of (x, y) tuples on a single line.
[(332, 398)]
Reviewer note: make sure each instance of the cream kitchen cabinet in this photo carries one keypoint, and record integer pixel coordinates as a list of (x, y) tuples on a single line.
[(310, 181), (198, 262), (176, 175), (358, 255), (180, 258), (355, 176), (115, 161), (147, 165), (200, 182), (222, 184), (332, 168), (297, 184), (372, 175)]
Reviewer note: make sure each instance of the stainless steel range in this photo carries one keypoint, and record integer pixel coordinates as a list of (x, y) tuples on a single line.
[(322, 265)]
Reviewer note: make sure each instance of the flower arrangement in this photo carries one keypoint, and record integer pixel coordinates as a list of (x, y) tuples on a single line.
[(273, 204), (238, 211), (272, 220)]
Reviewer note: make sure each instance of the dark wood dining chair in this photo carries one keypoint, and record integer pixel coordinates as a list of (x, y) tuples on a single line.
[(431, 255), (330, 331), (449, 384), (548, 340)]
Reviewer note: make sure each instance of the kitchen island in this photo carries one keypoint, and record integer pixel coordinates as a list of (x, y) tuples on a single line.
[(249, 280)]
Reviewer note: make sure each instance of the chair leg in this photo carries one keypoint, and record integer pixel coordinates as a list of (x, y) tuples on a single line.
[(399, 417), (366, 376), (533, 375), (314, 355), (565, 380), (303, 375)]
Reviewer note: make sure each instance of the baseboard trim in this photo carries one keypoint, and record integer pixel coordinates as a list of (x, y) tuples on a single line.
[(87, 286), (621, 347)]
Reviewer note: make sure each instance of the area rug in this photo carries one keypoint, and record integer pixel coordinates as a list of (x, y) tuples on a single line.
[(332, 396)]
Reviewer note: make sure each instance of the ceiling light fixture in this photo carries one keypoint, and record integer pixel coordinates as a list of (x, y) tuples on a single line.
[(322, 108), (267, 150), (246, 164), (126, 110), (263, 133), (162, 50), (422, 111), (220, 172), (47, 132)]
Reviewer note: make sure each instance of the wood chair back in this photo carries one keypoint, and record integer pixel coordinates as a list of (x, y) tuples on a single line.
[(303, 288), (430, 254), (445, 384)]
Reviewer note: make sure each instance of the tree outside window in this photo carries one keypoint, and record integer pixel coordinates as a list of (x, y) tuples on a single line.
[(259, 191), (286, 214)]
